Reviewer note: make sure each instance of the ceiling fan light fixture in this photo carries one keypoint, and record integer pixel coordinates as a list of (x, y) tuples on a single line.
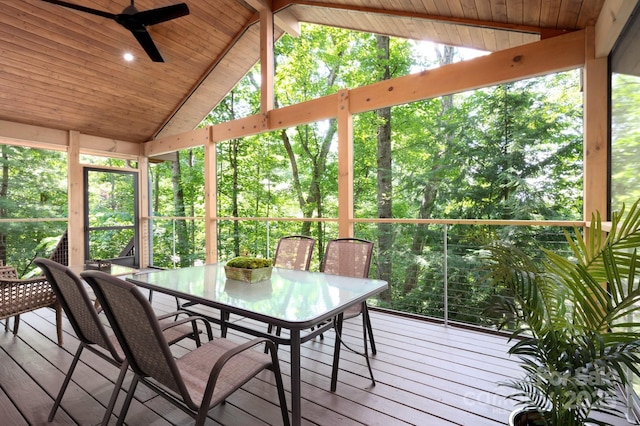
[(136, 21)]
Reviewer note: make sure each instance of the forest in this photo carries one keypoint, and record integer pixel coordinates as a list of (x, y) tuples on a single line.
[(508, 152)]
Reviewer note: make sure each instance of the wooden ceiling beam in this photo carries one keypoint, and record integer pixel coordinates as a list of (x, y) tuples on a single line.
[(530, 29), (612, 20), (283, 20)]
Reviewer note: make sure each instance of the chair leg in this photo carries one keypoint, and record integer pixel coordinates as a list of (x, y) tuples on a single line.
[(224, 317), (366, 346), (127, 401), (6, 324), (115, 393), (366, 321), (337, 325), (59, 324), (16, 324), (65, 383), (275, 367)]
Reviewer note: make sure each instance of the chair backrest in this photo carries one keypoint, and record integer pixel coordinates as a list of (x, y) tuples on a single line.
[(60, 254), (294, 252), (350, 257), (71, 293), (135, 325)]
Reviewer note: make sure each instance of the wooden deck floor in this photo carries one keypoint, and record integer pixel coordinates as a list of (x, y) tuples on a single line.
[(426, 374)]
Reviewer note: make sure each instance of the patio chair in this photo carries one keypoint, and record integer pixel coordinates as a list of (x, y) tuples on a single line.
[(83, 316), (19, 296), (195, 382), (293, 252), (351, 257)]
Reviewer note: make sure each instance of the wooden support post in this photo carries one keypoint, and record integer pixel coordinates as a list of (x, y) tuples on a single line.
[(596, 124), (210, 196), (266, 60), (144, 232), (75, 201), (345, 165)]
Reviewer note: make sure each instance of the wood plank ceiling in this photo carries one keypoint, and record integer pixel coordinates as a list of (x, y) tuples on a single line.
[(63, 69)]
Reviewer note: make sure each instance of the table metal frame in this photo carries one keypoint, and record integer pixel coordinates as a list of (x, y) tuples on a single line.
[(206, 286)]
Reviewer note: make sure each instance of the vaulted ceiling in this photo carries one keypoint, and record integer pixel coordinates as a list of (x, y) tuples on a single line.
[(63, 69)]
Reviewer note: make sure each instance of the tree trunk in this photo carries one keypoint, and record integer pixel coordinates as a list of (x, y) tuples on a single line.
[(234, 195), (182, 237), (384, 174), (429, 193)]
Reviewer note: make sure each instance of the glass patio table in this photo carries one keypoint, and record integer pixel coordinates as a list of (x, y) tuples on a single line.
[(293, 300)]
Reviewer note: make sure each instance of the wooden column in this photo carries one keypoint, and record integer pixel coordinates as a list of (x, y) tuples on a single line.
[(75, 201), (210, 197), (144, 251), (345, 165), (596, 125), (266, 60)]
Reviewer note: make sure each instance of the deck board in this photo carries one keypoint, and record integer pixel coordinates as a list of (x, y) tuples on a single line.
[(426, 374)]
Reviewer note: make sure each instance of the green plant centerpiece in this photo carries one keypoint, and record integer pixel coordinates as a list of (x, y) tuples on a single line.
[(575, 319), (249, 269)]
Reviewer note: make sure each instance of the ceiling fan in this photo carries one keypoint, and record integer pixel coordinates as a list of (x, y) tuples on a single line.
[(136, 21)]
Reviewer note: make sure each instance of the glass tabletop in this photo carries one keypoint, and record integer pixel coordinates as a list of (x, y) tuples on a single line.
[(114, 269), (294, 299)]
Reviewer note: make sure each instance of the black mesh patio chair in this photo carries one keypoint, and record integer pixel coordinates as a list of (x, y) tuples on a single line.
[(195, 382), (83, 316), (351, 257)]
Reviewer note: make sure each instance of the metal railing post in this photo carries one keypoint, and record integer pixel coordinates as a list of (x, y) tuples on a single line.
[(444, 273)]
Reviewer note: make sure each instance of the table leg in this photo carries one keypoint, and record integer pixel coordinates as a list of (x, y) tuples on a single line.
[(224, 317), (296, 415), (336, 351)]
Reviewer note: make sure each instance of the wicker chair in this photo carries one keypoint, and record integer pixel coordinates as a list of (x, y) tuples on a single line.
[(21, 296), (18, 296), (81, 313), (195, 382), (351, 257)]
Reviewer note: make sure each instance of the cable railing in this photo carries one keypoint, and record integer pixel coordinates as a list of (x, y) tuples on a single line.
[(433, 266), (438, 277)]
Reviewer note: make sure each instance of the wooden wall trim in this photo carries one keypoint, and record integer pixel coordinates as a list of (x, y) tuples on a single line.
[(45, 138)]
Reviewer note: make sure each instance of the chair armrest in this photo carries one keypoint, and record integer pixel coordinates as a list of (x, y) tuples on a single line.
[(190, 319), (227, 356), (8, 272), (32, 280), (33, 284)]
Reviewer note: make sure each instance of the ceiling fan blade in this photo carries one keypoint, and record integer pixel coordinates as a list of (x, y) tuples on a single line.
[(162, 14), (82, 8), (147, 44)]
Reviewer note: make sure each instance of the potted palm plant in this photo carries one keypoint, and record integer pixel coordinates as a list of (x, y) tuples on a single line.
[(575, 321)]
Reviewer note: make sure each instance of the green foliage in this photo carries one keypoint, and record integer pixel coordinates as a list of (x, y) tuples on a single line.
[(625, 139), (574, 318), (249, 262)]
